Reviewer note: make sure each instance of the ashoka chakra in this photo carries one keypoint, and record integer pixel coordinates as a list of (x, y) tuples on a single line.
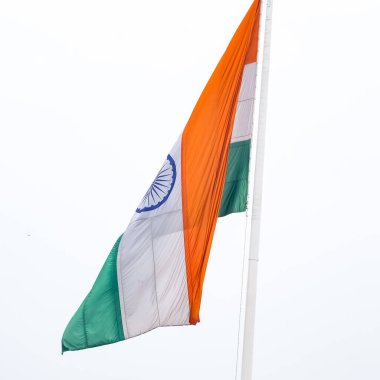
[(162, 186)]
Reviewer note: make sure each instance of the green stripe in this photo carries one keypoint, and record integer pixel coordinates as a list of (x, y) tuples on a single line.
[(236, 186), (98, 319)]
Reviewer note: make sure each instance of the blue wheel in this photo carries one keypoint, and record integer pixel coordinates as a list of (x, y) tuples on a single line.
[(162, 186)]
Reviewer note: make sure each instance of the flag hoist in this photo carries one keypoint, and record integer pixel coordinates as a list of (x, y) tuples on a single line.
[(154, 274)]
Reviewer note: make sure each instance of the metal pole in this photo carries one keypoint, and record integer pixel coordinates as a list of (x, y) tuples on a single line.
[(256, 173)]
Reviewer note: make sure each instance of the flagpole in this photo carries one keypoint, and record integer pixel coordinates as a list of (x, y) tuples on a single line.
[(255, 191)]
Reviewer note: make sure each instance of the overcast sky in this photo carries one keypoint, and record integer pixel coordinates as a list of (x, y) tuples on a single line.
[(93, 94)]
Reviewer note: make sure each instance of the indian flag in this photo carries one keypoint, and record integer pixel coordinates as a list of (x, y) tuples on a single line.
[(154, 274)]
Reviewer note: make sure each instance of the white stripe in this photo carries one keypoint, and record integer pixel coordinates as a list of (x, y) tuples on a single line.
[(151, 265), (244, 112)]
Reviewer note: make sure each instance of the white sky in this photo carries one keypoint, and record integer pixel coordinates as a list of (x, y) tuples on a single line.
[(92, 96)]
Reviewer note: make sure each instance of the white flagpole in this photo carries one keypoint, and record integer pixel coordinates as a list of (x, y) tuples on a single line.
[(256, 181)]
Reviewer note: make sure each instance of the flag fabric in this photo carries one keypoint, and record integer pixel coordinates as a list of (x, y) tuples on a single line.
[(154, 274)]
